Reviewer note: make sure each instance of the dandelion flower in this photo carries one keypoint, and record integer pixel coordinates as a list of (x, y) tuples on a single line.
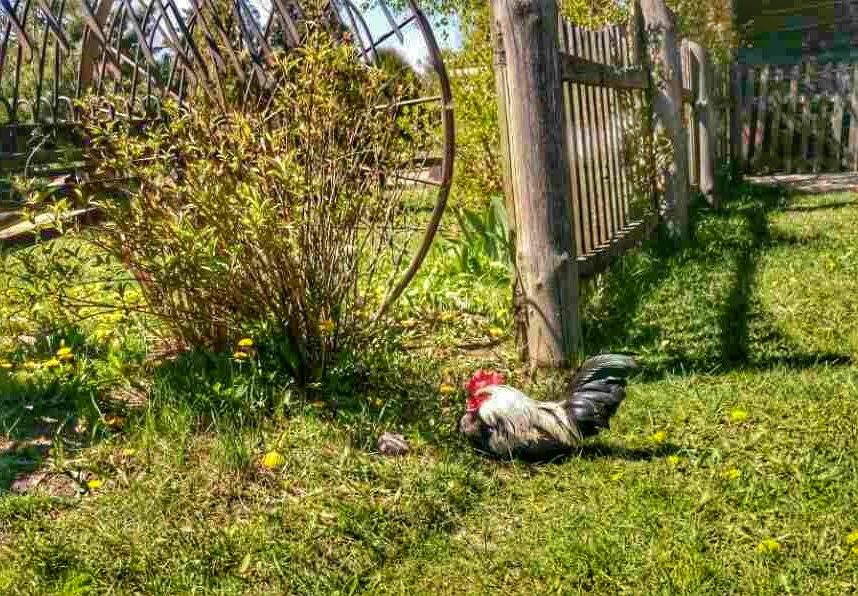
[(114, 421), (659, 437), (446, 389), (852, 538), (52, 363), (245, 343), (327, 326), (93, 484), (63, 352), (30, 365), (447, 317), (737, 416), (240, 356), (495, 332), (769, 546), (5, 364), (731, 474), (618, 475), (673, 460), (128, 452), (854, 550), (408, 323), (272, 460)]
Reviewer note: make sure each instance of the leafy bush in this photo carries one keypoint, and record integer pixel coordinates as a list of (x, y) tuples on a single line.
[(272, 217)]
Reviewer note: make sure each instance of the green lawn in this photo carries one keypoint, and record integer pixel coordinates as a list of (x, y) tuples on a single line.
[(732, 467)]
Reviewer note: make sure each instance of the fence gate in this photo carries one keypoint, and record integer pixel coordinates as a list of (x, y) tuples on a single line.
[(798, 118)]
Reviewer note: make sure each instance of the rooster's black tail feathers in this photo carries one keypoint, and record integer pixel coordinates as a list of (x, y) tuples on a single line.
[(598, 389)]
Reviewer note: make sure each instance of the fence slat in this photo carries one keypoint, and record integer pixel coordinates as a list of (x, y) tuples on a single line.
[(608, 170), (574, 151), (853, 121), (595, 198), (762, 112), (806, 119), (776, 100), (746, 113), (586, 162), (792, 118)]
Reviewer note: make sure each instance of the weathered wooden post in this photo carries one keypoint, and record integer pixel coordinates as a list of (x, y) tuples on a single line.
[(659, 31), (527, 60), (704, 112)]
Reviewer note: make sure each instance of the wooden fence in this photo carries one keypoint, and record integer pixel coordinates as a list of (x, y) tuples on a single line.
[(604, 88), (798, 118), (580, 111)]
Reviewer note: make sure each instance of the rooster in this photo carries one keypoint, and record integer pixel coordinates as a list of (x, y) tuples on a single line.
[(503, 421)]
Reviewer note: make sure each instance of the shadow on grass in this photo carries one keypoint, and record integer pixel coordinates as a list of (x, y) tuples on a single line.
[(737, 234), (33, 418)]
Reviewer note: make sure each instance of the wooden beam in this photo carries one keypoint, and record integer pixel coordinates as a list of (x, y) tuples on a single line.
[(587, 72), (545, 257), (667, 104)]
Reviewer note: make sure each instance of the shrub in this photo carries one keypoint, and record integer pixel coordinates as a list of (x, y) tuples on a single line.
[(271, 217)]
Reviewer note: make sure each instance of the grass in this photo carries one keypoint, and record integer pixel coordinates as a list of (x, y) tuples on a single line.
[(681, 496)]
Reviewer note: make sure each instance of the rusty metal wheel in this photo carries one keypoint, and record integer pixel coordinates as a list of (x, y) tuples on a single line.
[(55, 51)]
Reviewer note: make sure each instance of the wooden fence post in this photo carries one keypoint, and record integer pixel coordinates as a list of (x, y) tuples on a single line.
[(664, 63), (540, 182), (704, 111)]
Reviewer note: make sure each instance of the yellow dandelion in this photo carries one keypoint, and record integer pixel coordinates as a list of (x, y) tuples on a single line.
[(447, 317), (63, 352), (327, 326), (114, 421), (93, 484), (30, 365), (495, 332), (52, 363), (128, 452), (618, 475), (240, 356), (769, 546), (408, 323), (658, 437), (731, 474), (738, 415), (854, 550), (272, 460), (446, 389), (5, 364), (852, 538), (673, 460), (245, 343)]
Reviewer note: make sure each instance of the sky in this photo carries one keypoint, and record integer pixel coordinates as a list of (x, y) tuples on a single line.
[(413, 48)]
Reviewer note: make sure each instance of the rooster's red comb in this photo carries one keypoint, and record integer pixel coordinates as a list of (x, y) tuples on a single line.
[(484, 378)]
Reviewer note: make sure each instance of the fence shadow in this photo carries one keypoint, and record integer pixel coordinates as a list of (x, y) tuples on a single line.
[(739, 234)]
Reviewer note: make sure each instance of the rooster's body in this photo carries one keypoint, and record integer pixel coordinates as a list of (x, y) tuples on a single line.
[(507, 423)]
